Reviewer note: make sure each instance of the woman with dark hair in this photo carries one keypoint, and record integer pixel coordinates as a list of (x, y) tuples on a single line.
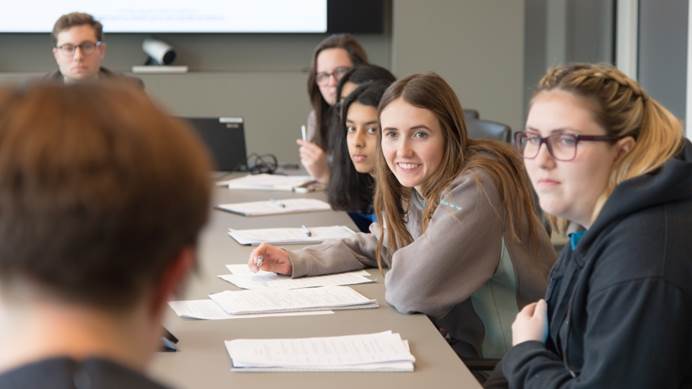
[(359, 75), (351, 186), (462, 242), (348, 188), (332, 58)]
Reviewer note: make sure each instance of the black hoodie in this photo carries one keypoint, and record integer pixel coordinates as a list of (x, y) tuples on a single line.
[(620, 303)]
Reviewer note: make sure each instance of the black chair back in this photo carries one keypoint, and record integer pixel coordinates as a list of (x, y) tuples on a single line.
[(488, 129), (471, 114)]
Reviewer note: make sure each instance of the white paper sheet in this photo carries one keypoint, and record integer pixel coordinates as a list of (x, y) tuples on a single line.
[(292, 300), (289, 235), (268, 182), (242, 268), (384, 351), (263, 279), (208, 310), (275, 207)]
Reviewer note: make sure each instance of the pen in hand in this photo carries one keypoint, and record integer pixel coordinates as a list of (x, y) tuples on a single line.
[(306, 230), (258, 261), (303, 133)]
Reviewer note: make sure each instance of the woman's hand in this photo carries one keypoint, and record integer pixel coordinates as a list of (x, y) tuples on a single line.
[(531, 323), (314, 159), (270, 258)]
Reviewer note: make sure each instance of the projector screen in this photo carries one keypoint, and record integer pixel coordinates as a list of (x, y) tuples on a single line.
[(173, 16)]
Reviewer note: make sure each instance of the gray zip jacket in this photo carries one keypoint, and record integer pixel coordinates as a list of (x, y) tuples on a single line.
[(465, 271)]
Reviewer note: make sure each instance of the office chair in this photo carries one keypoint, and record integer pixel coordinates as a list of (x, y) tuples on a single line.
[(485, 129), (481, 364), (488, 129), (471, 114)]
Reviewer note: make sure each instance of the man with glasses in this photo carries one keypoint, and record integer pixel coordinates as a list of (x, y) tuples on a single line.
[(79, 50)]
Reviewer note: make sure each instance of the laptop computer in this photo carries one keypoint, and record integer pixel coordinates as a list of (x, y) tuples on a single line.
[(225, 140)]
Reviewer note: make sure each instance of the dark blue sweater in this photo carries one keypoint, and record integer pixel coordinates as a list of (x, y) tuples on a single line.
[(66, 373), (620, 303)]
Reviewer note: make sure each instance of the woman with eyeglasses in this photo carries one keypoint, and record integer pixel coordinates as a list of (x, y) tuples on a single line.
[(618, 310), (462, 240), (331, 59)]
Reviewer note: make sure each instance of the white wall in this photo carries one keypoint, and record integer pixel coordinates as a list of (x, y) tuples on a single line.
[(476, 45)]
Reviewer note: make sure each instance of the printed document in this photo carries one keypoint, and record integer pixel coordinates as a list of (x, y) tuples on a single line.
[(292, 300), (275, 207), (384, 351), (277, 236), (265, 279), (270, 182), (208, 310)]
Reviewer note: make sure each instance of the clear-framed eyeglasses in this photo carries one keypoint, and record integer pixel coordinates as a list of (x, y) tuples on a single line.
[(561, 145), (87, 48)]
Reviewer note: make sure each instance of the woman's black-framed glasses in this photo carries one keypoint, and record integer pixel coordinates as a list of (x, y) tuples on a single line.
[(338, 73), (561, 145)]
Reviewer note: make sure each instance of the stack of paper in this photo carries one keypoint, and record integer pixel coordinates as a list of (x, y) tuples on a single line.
[(384, 351), (293, 300), (275, 207), (242, 277), (289, 235), (270, 182)]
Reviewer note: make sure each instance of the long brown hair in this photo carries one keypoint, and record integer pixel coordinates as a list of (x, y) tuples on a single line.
[(356, 53), (461, 154), (622, 108)]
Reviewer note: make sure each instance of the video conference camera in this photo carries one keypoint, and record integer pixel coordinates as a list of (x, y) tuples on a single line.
[(159, 52)]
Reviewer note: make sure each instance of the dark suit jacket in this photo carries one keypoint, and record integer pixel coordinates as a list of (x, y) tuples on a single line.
[(103, 73), (64, 373)]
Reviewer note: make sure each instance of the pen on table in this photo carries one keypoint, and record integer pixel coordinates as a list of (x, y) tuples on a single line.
[(168, 345), (304, 133), (278, 203), (258, 261), (306, 230)]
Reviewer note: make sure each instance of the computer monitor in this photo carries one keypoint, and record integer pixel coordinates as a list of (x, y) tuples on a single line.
[(225, 140)]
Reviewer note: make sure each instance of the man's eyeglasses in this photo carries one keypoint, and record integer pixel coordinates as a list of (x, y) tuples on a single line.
[(323, 77), (561, 146), (87, 48)]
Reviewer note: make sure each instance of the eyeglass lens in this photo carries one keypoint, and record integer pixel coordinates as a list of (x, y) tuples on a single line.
[(323, 77), (85, 47), (560, 146)]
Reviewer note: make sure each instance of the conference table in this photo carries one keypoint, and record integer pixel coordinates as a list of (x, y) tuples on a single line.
[(202, 361)]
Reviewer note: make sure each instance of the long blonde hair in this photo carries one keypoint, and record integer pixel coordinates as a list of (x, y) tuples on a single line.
[(622, 108), (501, 163)]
